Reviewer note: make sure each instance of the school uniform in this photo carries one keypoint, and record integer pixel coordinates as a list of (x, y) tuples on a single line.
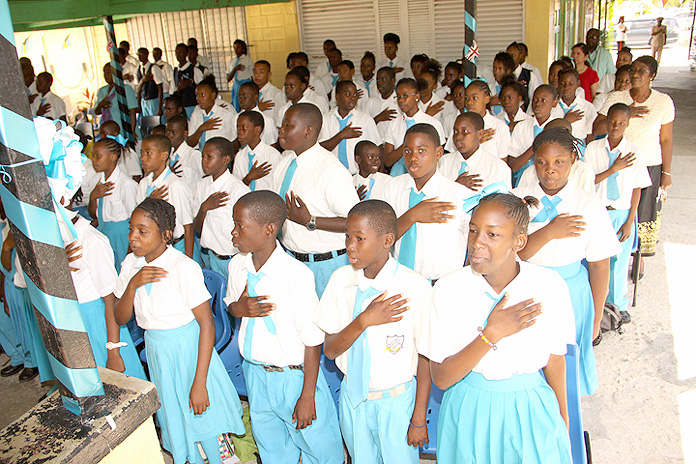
[(491, 168), (521, 140), (57, 110), (378, 392), (129, 162), (323, 67), (396, 133), (270, 131), (188, 95), (581, 175), (190, 161), (317, 85), (606, 84), (113, 113), (270, 92), (374, 184), (377, 104), (240, 77), (597, 242), (519, 116), (397, 62), (167, 77), (149, 92), (132, 69), (446, 112), (326, 187), (583, 127), (505, 398), (179, 196), (329, 80), (370, 85), (245, 159), (345, 150), (164, 310), (528, 79), (615, 192), (533, 69), (499, 145), (420, 248), (308, 97), (114, 210), (362, 100), (227, 129), (278, 341)]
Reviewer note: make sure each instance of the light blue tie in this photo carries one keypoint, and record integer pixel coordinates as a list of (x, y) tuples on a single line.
[(254, 279), (151, 185), (464, 168), (369, 190), (367, 86), (612, 181), (100, 205), (342, 145), (566, 109), (201, 142), (285, 186), (400, 166), (334, 79), (391, 64), (358, 379), (407, 251), (174, 161), (252, 184), (549, 212), (495, 302), (537, 130)]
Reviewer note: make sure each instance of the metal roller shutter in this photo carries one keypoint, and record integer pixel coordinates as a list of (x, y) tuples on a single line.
[(499, 22)]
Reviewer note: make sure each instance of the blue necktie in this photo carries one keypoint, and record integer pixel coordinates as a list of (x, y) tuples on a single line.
[(566, 109), (612, 181), (342, 149), (254, 279), (151, 185), (369, 190), (367, 86), (358, 379), (495, 302), (334, 79), (252, 184), (537, 130), (400, 166), (391, 64), (463, 169), (201, 142), (549, 212), (407, 251), (174, 161), (285, 186)]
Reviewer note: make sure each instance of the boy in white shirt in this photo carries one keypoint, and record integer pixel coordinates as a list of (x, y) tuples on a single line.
[(167, 72), (346, 72), (248, 101), (254, 162), (345, 126), (149, 88), (185, 161), (369, 182), (48, 104), (271, 98), (210, 119), (297, 91), (401, 67), (383, 107), (323, 66), (335, 58), (576, 110), (376, 339), (319, 193), (368, 64), (274, 296)]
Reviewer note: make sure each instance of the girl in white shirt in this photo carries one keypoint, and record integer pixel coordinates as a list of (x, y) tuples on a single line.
[(496, 136), (512, 98), (489, 356), (210, 119), (165, 289), (430, 102)]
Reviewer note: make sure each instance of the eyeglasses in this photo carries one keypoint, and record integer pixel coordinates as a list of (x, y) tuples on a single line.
[(404, 97)]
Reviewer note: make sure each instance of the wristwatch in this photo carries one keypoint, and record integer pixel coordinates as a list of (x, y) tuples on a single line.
[(312, 224), (112, 346)]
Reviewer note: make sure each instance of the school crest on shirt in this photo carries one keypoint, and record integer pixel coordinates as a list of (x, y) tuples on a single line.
[(395, 343)]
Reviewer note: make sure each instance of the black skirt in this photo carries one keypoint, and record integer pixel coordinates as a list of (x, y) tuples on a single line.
[(649, 206)]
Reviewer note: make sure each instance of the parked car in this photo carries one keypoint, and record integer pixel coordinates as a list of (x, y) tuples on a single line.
[(638, 34)]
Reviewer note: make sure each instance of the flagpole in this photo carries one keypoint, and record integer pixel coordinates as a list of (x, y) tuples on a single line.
[(471, 51)]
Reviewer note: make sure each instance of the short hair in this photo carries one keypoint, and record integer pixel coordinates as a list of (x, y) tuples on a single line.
[(616, 107), (475, 118), (250, 85), (454, 65), (144, 50), (336, 50), (221, 144), (363, 145), (517, 87), (47, 76), (181, 45), (309, 114), (161, 213), (625, 50), (302, 55), (516, 208), (243, 44), (347, 63), (420, 58), (515, 45), (506, 60), (161, 142), (582, 46), (434, 68), (209, 81), (156, 48), (571, 71), (562, 63), (254, 118), (370, 56), (265, 63), (264, 207), (341, 85), (408, 81), (559, 135), (330, 41), (458, 83), (301, 72), (567, 60), (650, 62), (523, 47), (390, 71), (126, 43), (180, 120), (110, 124), (176, 98), (559, 122), (426, 129), (391, 37), (159, 129), (624, 69), (290, 57), (592, 29), (379, 214), (194, 40), (548, 88)]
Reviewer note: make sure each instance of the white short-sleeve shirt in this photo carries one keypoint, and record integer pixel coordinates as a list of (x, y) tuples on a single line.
[(228, 126), (519, 116), (394, 347), (445, 114), (499, 145), (170, 302), (119, 205), (262, 153), (190, 160), (581, 175), (179, 196), (396, 130), (453, 326), (377, 104), (308, 97), (523, 135), (597, 242), (397, 62), (242, 74), (356, 119), (270, 131), (270, 92), (374, 183), (326, 187), (491, 168), (129, 162), (583, 126), (290, 285), (57, 105), (362, 100)]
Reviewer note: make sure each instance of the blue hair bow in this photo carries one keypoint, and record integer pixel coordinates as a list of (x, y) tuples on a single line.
[(119, 138), (473, 201)]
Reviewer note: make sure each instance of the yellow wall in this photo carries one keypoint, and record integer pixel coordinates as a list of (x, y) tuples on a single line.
[(273, 33), (539, 33)]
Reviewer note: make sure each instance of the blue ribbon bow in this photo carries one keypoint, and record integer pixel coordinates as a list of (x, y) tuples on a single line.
[(473, 201)]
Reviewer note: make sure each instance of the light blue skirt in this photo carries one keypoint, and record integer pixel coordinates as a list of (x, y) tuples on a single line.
[(181, 246), (17, 299), (172, 356), (117, 233), (95, 324), (501, 421), (578, 280)]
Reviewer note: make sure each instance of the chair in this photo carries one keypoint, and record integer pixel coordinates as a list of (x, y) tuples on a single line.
[(147, 123), (431, 417), (232, 360), (86, 128), (579, 440), (333, 376)]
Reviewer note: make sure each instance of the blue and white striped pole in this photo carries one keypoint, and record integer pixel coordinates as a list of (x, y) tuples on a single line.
[(29, 206)]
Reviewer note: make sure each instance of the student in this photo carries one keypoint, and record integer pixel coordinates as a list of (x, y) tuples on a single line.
[(346, 72), (271, 98), (570, 226), (107, 107), (248, 101), (407, 96), (429, 207), (186, 77), (524, 76), (324, 67), (319, 193), (111, 197), (202, 60), (576, 110), (296, 91), (368, 64), (453, 72), (239, 70), (621, 174), (345, 126), (173, 107), (503, 65), (521, 152), (384, 107), (185, 160), (399, 65), (316, 82), (210, 119), (10, 340), (430, 103), (470, 164), (554, 69), (501, 362), (166, 70), (498, 135), (159, 183), (128, 161), (253, 164), (622, 81), (624, 57), (522, 58), (418, 63), (48, 104), (149, 87), (166, 292), (335, 57), (274, 295), (368, 181), (374, 313), (512, 98), (129, 67), (29, 76), (193, 58), (589, 80)]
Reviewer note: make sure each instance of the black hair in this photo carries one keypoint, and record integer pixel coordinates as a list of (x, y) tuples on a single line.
[(458, 83), (626, 50), (45, 75), (110, 124), (156, 48), (301, 73), (481, 85), (347, 63), (330, 41), (620, 107), (567, 60), (514, 44), (302, 55), (144, 50), (434, 68), (517, 209), (559, 135), (363, 145), (389, 71), (650, 62), (126, 43), (194, 40), (572, 71), (244, 45), (506, 59), (265, 63), (222, 145), (111, 145), (340, 85), (475, 118), (391, 37), (209, 81), (523, 47), (409, 82), (251, 85), (181, 45), (625, 68), (369, 55), (455, 65), (582, 46), (548, 88), (309, 114), (162, 142), (159, 129), (290, 56), (179, 119), (426, 129), (563, 64), (379, 214), (161, 213), (254, 117), (264, 207), (420, 58), (340, 53), (509, 82)]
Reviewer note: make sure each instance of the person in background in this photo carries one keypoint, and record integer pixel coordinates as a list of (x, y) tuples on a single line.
[(620, 36), (239, 70), (107, 105), (202, 59), (658, 39), (391, 47), (150, 89), (599, 57), (589, 79), (166, 69), (606, 83), (324, 67), (49, 105)]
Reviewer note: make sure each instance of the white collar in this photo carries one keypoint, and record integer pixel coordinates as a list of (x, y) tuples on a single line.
[(272, 266), (381, 280), (220, 181)]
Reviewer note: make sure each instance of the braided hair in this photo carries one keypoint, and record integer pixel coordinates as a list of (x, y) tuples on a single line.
[(516, 208), (161, 213), (111, 145), (559, 135)]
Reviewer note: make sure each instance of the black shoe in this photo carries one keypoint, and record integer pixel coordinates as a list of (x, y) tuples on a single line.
[(10, 370), (625, 317), (597, 340), (28, 373)]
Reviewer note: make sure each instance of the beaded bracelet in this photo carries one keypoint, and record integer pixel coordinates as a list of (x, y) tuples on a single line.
[(415, 426), (485, 340)]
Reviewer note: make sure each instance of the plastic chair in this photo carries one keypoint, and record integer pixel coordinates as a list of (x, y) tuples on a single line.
[(86, 128), (578, 439), (432, 414), (232, 360), (333, 376), (147, 123), (217, 287)]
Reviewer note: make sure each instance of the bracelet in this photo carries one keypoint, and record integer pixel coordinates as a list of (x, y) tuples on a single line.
[(415, 426), (667, 173), (486, 340)]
